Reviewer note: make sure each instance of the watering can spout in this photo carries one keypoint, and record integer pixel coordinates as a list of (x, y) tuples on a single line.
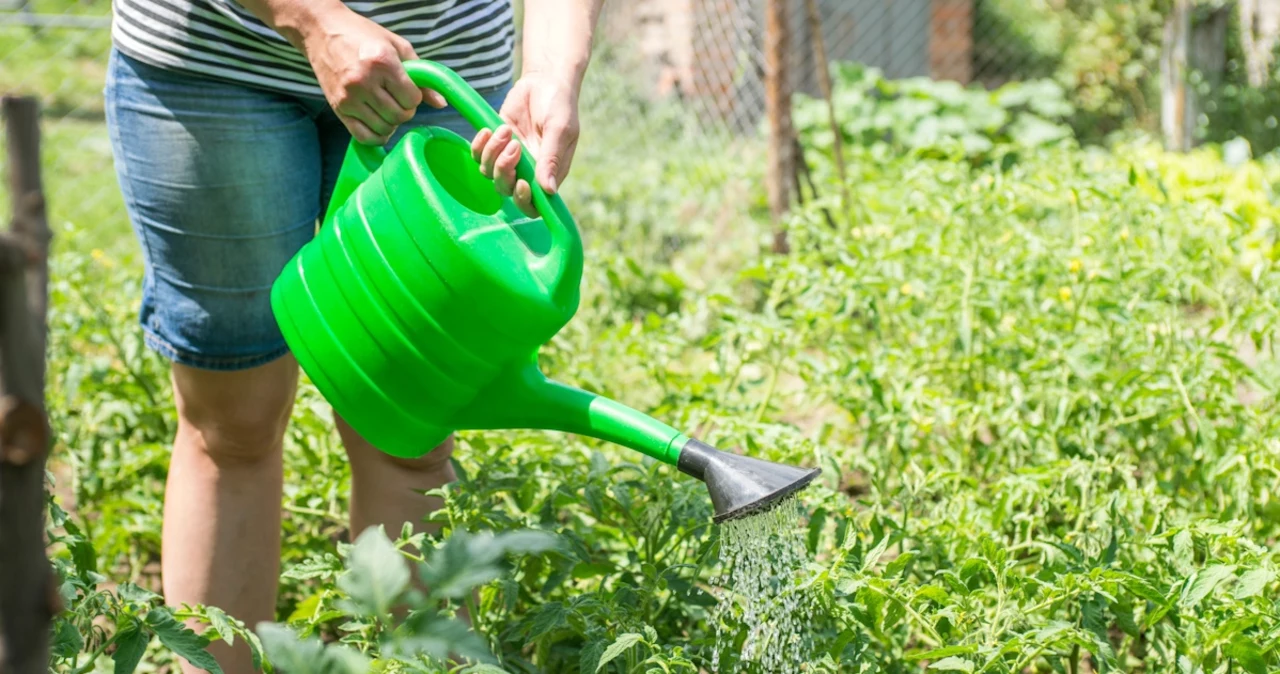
[(739, 485)]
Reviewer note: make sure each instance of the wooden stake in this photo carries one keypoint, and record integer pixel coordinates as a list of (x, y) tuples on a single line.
[(824, 83), (781, 169), (26, 581)]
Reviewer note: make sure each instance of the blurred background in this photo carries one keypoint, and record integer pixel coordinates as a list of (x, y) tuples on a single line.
[(696, 74)]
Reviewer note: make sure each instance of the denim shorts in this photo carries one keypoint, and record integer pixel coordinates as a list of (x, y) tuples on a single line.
[(223, 183)]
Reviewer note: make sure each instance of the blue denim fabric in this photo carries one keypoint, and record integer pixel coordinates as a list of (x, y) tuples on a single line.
[(223, 183)]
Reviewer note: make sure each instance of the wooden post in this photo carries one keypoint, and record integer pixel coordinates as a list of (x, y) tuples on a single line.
[(28, 594), (781, 169), (1175, 118), (823, 66), (1189, 44)]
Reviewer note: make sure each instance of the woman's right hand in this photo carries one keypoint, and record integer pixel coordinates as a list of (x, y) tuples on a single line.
[(358, 65)]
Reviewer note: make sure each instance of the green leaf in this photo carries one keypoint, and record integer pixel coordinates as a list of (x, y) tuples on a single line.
[(436, 636), (899, 563), (953, 664), (618, 647), (1204, 582), (483, 668), (1246, 652), (1183, 551), (1253, 582), (377, 573), (221, 624), (286, 652), (135, 594), (131, 644), (67, 641), (82, 552), (939, 653), (182, 640), (468, 560), (325, 566), (547, 618), (589, 657)]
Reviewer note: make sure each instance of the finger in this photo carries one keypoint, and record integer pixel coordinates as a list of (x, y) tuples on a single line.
[(558, 141), (434, 98), (504, 168), (393, 77), (478, 143), (361, 111), (403, 48), (402, 90), (493, 148), (388, 108), (361, 132), (524, 199)]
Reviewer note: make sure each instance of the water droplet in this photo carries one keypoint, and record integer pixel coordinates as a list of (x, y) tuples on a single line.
[(760, 590)]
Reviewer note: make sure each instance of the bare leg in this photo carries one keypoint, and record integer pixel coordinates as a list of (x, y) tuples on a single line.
[(221, 539), (384, 488)]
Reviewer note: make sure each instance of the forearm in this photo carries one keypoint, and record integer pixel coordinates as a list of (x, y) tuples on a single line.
[(557, 37), (294, 19)]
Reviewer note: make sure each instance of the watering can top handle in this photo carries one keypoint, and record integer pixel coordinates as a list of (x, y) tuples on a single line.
[(481, 115)]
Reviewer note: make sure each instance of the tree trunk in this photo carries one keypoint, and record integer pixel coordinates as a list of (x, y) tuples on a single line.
[(1259, 31), (782, 168), (28, 596), (1175, 118), (1192, 43)]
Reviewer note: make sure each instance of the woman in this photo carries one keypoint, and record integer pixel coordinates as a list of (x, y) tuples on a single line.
[(229, 120)]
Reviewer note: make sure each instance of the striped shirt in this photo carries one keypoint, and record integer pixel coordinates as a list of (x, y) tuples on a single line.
[(220, 38)]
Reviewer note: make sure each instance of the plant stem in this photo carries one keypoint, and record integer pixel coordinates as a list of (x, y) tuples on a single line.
[(97, 652)]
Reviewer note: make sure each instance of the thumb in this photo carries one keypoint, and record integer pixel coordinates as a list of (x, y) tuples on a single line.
[(558, 142), (407, 53)]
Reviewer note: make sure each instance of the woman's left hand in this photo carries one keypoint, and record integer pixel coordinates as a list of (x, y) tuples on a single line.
[(541, 111)]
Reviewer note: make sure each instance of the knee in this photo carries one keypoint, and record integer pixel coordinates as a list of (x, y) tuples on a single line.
[(360, 452), (434, 461), (237, 423)]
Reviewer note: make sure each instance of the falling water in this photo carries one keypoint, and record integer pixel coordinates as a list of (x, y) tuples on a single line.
[(760, 590)]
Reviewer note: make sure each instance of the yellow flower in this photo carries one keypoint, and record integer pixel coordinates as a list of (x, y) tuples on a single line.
[(1008, 322), (1065, 293), (906, 289), (1075, 266), (101, 258), (1124, 234)]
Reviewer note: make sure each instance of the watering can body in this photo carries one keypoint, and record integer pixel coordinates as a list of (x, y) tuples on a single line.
[(423, 283), (419, 308)]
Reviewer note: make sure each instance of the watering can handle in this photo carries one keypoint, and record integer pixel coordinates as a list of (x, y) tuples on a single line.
[(566, 243)]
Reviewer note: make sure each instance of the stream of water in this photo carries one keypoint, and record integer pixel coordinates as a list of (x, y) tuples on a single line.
[(763, 559)]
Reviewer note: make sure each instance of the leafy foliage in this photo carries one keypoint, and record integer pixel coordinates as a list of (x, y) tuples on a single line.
[(935, 118), (1041, 392)]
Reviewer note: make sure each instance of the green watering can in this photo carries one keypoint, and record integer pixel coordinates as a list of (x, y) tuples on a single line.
[(420, 307)]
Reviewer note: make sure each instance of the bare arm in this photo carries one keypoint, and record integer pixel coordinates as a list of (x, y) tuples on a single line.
[(542, 109), (356, 61), (558, 36)]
